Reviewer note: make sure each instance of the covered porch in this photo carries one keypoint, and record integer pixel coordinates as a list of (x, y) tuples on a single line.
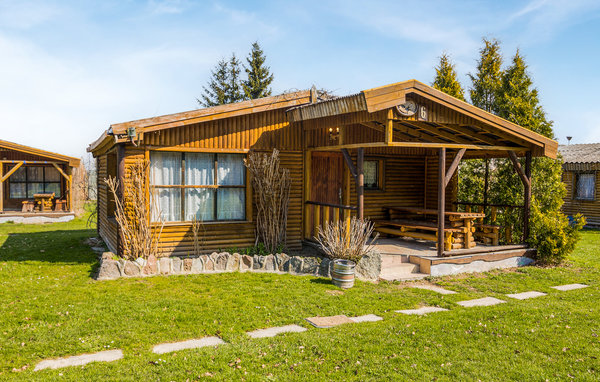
[(391, 155)]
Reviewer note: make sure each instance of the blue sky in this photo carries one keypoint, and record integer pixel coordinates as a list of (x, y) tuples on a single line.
[(68, 69)]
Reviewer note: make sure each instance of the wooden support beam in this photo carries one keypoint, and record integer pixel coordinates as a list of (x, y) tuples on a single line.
[(389, 126), (1, 187), (360, 183), (458, 137), (349, 163), (57, 167), (527, 197), (397, 133), (307, 180), (424, 145), (454, 166), (11, 171), (518, 169), (441, 200)]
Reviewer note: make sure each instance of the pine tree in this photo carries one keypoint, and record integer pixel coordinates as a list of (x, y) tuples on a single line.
[(259, 76), (216, 91), (487, 80), (234, 87), (446, 79)]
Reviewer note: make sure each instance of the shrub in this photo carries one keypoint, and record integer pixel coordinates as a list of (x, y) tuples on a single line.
[(346, 240), (553, 234)]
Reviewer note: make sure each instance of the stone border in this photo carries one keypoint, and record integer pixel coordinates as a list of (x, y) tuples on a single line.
[(110, 268)]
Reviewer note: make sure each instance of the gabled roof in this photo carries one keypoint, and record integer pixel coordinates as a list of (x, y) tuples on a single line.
[(146, 125), (388, 96), (580, 153), (73, 162)]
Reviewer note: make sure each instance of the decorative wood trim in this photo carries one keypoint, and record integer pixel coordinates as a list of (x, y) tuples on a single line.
[(11, 171)]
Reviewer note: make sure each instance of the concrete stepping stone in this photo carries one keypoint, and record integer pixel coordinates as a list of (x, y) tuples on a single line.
[(433, 288), (486, 301), (272, 332), (569, 287), (189, 344), (80, 360), (366, 318), (526, 295), (328, 322), (423, 310)]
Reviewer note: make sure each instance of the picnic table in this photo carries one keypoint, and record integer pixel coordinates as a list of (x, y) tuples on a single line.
[(414, 222), (44, 201)]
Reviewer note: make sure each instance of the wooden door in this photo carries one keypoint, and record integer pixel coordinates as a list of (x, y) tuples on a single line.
[(327, 177)]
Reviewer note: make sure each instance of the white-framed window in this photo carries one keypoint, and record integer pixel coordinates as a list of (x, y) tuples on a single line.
[(202, 186), (585, 185)]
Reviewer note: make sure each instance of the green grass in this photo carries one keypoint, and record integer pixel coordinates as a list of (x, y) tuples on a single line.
[(50, 307)]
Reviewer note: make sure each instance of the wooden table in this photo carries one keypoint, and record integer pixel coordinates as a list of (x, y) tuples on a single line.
[(44, 201), (459, 221)]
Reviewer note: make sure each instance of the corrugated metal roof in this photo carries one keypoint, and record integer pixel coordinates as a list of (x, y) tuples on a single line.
[(326, 108), (580, 153)]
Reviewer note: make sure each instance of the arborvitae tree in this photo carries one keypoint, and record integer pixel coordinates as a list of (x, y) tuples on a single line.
[(216, 91), (446, 79), (486, 81), (234, 88), (259, 75)]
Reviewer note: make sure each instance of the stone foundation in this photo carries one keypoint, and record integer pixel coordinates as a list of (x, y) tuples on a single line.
[(110, 268)]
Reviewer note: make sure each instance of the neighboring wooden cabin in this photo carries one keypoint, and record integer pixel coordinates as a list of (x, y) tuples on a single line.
[(580, 174), (26, 172), (348, 155)]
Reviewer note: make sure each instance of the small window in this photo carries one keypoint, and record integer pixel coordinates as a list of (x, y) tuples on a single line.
[(372, 172), (584, 186)]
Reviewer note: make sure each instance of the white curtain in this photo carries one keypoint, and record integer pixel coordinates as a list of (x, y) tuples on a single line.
[(231, 171), (165, 169), (199, 169), (585, 186), (230, 204), (199, 204)]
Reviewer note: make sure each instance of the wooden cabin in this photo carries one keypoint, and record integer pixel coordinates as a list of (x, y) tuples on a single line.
[(580, 174), (34, 183), (389, 154)]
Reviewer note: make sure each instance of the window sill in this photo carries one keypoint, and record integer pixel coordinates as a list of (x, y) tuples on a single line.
[(218, 222)]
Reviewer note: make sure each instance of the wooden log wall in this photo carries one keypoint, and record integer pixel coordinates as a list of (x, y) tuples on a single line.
[(588, 208), (107, 228)]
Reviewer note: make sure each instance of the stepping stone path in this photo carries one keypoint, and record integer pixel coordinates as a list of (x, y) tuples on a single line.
[(366, 318), (423, 310), (433, 288), (486, 301), (526, 295), (189, 344), (569, 287), (80, 360), (272, 332)]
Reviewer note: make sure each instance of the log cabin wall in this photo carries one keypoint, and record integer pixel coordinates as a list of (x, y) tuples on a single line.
[(106, 225), (572, 206)]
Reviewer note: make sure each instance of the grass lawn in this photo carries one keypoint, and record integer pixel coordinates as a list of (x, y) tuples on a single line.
[(50, 307)]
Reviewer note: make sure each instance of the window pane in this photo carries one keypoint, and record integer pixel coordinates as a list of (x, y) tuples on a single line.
[(231, 170), (165, 168), (370, 169), (585, 186), (34, 188), (17, 191), (168, 204), (19, 175), (199, 204), (199, 169), (52, 187), (35, 174), (230, 204), (52, 174)]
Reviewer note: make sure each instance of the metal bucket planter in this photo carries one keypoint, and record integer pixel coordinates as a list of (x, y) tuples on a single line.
[(343, 273)]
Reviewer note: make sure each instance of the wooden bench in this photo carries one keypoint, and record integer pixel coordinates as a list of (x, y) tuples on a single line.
[(415, 228), (28, 206), (487, 233)]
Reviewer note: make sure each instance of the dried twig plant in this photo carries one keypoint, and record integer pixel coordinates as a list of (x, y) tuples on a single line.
[(346, 239), (197, 235), (134, 215), (271, 185)]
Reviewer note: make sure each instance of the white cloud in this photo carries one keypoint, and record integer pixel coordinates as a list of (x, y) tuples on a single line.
[(26, 14)]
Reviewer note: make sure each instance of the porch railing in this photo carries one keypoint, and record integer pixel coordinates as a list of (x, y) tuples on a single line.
[(506, 216), (317, 213)]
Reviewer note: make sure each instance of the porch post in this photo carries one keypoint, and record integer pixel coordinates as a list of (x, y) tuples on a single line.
[(441, 200), (486, 184), (360, 183), (527, 196), (1, 187)]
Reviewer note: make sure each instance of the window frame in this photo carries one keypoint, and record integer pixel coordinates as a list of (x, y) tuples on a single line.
[(27, 182), (575, 184), (380, 173), (183, 187)]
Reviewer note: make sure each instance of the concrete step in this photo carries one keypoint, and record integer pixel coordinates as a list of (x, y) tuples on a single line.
[(402, 277), (398, 270), (391, 260)]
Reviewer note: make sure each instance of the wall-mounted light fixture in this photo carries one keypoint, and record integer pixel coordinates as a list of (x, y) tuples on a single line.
[(333, 135)]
